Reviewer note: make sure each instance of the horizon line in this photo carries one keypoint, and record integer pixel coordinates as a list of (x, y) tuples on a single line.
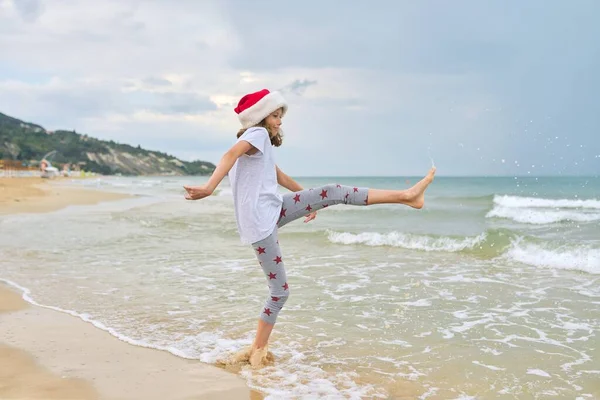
[(447, 176)]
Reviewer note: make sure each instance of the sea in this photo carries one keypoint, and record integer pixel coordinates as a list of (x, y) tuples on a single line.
[(491, 291)]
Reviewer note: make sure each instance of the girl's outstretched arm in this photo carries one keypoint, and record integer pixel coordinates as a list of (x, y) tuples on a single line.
[(223, 168)]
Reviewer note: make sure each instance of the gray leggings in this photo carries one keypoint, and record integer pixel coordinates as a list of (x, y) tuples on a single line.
[(296, 205)]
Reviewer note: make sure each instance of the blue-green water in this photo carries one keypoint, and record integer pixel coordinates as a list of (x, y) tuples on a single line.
[(491, 291)]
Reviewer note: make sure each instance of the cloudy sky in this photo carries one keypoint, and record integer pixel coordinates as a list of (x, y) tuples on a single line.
[(374, 87)]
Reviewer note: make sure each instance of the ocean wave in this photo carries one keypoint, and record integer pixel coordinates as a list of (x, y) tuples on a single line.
[(534, 202), (549, 255), (495, 243), (408, 241), (541, 216), (540, 211)]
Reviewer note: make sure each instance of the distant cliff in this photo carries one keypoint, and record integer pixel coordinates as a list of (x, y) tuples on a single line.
[(29, 143)]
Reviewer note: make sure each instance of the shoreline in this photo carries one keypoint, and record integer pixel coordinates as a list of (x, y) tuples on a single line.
[(50, 354)]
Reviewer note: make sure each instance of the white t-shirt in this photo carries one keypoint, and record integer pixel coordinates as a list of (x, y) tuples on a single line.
[(253, 182)]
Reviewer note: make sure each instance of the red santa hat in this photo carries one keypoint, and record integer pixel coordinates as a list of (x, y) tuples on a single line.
[(255, 107)]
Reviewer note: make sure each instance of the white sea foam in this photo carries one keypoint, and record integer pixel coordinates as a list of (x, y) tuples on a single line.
[(397, 342), (539, 211), (492, 367), (538, 372), (418, 303), (539, 216), (533, 202), (581, 258), (407, 241)]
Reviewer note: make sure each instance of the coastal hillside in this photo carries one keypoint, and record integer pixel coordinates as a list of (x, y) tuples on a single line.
[(28, 142)]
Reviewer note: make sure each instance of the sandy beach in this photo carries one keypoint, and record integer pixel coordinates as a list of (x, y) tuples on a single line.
[(46, 354), (34, 195)]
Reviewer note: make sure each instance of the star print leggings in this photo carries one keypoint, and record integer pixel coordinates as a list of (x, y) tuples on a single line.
[(296, 205)]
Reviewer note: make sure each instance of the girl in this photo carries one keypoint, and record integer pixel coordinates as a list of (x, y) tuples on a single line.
[(260, 210)]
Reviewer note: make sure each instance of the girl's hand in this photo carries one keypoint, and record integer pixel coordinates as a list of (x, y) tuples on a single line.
[(311, 216), (197, 192)]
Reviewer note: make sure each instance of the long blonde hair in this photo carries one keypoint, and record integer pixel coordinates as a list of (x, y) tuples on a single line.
[(276, 140)]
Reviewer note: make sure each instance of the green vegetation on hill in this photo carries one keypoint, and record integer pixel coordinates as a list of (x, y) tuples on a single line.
[(29, 143)]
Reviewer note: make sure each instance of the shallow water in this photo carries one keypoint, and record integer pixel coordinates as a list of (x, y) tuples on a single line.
[(491, 291)]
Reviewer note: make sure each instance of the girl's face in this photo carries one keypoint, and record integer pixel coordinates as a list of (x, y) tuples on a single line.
[(273, 122)]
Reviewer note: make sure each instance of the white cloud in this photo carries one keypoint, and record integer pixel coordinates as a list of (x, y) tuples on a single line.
[(120, 38), (371, 91)]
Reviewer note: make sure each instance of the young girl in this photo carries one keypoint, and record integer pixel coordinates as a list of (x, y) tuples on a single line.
[(259, 208)]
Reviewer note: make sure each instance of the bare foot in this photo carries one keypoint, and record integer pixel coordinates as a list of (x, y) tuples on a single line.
[(239, 358), (261, 357), (415, 196)]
